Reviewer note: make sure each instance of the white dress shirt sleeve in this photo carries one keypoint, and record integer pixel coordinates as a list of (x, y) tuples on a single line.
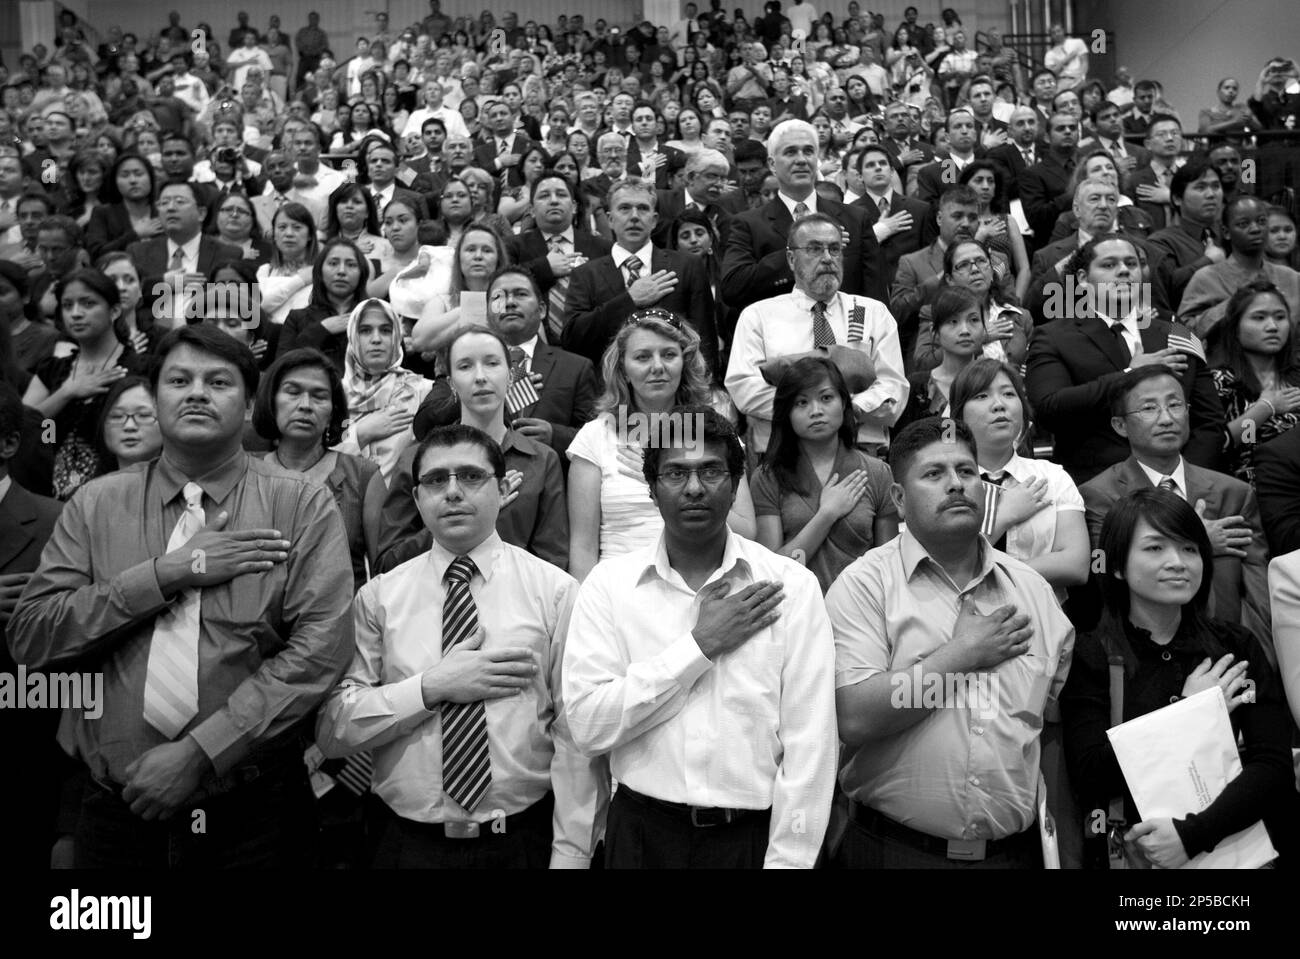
[(752, 394), (608, 700), (890, 383)]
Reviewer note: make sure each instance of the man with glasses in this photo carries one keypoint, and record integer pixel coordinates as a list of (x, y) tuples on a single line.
[(1149, 410), (455, 686), (702, 665), (706, 179), (1149, 186), (857, 333)]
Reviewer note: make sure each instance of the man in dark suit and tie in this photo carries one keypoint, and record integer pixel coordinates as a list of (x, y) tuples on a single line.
[(636, 275), (901, 224), (1148, 186), (1022, 152), (503, 153), (1110, 137), (1044, 187), (28, 806), (963, 149), (754, 265), (1141, 413), (379, 172), (1075, 362), (706, 175), (556, 248), (181, 256), (904, 148), (644, 147)]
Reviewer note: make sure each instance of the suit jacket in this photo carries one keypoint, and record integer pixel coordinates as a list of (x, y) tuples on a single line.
[(1013, 162), (1072, 366), (485, 155), (26, 522), (1044, 273), (530, 249), (1284, 600), (598, 303), (895, 152), (413, 197), (109, 230), (264, 207), (150, 258), (1240, 593), (754, 266), (937, 176), (921, 233), (1141, 155), (663, 178), (1277, 465), (567, 398), (1044, 192), (1145, 176), (671, 203)]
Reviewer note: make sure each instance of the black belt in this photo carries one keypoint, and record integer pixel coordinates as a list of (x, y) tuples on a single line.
[(702, 817), (961, 850), (458, 830)]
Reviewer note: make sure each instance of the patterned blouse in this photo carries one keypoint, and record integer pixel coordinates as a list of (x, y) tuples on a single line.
[(1236, 398)]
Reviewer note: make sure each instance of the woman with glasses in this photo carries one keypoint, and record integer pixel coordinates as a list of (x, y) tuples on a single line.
[(1158, 562), (128, 430), (300, 410), (967, 265), (1036, 513), (997, 228), (233, 220), (1257, 376), (815, 492), (653, 365)]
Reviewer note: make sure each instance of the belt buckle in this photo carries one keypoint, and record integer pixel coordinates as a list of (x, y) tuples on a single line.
[(713, 817), (967, 850), (460, 830)]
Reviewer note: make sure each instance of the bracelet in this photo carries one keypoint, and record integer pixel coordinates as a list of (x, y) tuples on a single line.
[(1269, 404)]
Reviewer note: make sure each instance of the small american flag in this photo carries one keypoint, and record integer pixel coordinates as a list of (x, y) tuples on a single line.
[(522, 394), (1181, 338), (857, 323)]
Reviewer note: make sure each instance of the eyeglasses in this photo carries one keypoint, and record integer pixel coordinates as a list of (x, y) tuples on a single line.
[(1150, 412), (676, 477), (471, 478), (142, 418), (663, 316), (239, 210), (966, 266), (818, 250)]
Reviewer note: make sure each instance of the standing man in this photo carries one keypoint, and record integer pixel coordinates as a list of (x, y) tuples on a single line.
[(702, 667), (455, 686), (311, 43), (1067, 57), (501, 154), (218, 618), (948, 781), (1045, 186), (706, 176), (814, 315), (755, 266), (901, 224), (1149, 186)]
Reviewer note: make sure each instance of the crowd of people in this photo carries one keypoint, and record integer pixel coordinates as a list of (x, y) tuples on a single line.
[(500, 445)]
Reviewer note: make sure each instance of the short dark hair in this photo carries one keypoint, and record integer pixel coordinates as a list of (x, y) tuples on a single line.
[(11, 410), (1144, 85), (1187, 174), (445, 437), (38, 196), (114, 393), (783, 448), (264, 404), (209, 339), (960, 195), (518, 269), (1084, 256), (918, 435), (67, 225), (188, 185), (713, 427), (1130, 381), (979, 376), (872, 148)]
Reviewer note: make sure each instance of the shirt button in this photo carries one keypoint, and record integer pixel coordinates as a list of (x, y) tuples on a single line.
[(1166, 656)]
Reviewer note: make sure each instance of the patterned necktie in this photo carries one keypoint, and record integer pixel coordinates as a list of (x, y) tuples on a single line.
[(1117, 328), (1168, 484), (557, 295), (884, 206), (633, 265), (823, 335), (800, 209), (502, 149), (466, 762), (171, 685), (993, 498), (178, 260)]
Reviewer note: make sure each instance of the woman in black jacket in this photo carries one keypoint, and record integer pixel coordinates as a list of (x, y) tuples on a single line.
[(339, 278)]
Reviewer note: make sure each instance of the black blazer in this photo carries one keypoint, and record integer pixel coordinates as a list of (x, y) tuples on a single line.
[(671, 203), (598, 303), (754, 266), (1145, 176), (529, 249), (895, 152), (1044, 191), (567, 398), (109, 230), (933, 178), (1045, 275), (662, 177), (303, 328), (921, 233), (485, 155), (1012, 161), (150, 258), (1072, 366)]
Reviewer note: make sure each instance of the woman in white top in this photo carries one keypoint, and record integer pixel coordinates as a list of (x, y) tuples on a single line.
[(478, 254), (285, 282), (653, 365), (382, 396), (1039, 511)]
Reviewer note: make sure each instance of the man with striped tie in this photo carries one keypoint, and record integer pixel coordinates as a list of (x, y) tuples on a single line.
[(455, 686), (211, 589)]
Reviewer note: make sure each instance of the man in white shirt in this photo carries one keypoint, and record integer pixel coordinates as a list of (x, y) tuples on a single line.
[(702, 666), (186, 87), (814, 315), (1067, 57), (684, 30), (433, 107), (802, 16), (315, 181), (455, 686)]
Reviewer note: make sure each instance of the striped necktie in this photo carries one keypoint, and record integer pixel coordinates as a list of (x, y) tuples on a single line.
[(823, 335), (171, 685), (557, 295), (800, 209), (633, 265), (992, 499), (1168, 484), (466, 762)]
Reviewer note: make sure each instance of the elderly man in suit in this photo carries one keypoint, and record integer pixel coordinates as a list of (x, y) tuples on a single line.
[(706, 175), (555, 247), (1075, 362), (901, 224), (635, 275), (1044, 187), (754, 265), (1148, 409), (26, 522), (181, 256), (502, 154)]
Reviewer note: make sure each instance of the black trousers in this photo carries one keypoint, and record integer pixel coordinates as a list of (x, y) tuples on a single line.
[(867, 848), (523, 843), (643, 835)]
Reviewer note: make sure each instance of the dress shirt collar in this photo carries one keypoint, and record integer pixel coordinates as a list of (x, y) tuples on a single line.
[(1084, 238), (189, 250), (484, 555), (6, 481), (790, 204), (686, 195), (1179, 475), (567, 233), (621, 253), (216, 482), (732, 562), (913, 553), (1130, 323), (888, 196), (529, 347), (1017, 468), (803, 301)]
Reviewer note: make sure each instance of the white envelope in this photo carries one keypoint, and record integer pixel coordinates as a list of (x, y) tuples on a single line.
[(1177, 760)]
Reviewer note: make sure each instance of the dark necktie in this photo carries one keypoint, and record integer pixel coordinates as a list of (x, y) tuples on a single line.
[(1117, 330), (995, 499), (1168, 484), (800, 209), (466, 763), (633, 265), (823, 335)]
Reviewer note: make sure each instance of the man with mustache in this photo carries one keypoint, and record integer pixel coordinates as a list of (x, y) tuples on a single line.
[(941, 714), (818, 314)]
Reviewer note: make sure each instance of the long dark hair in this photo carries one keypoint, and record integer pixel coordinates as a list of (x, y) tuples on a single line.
[(342, 192), (1227, 349), (115, 392), (999, 202), (108, 193), (264, 404), (319, 295), (1169, 514), (977, 377), (782, 455)]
